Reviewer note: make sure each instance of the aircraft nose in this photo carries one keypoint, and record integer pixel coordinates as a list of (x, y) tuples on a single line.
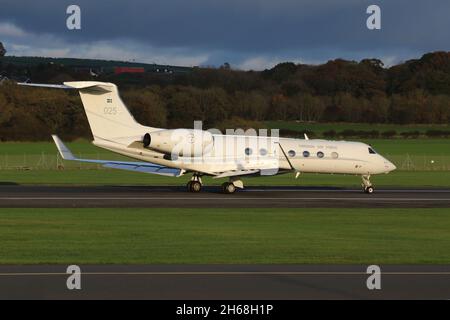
[(393, 167), (390, 166)]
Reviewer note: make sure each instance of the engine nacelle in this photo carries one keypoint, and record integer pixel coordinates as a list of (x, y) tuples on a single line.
[(180, 142)]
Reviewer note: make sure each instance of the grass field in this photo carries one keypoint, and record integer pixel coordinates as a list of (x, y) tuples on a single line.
[(420, 162), (118, 177), (320, 128), (404, 236), (393, 147)]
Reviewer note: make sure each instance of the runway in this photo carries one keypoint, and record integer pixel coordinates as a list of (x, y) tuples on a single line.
[(236, 282), (18, 196)]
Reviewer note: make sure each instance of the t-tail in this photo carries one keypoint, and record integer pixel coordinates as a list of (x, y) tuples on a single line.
[(109, 118)]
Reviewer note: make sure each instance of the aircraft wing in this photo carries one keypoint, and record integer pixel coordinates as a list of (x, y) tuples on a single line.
[(145, 167), (265, 171), (235, 173)]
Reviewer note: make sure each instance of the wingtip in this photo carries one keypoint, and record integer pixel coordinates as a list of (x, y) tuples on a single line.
[(65, 153)]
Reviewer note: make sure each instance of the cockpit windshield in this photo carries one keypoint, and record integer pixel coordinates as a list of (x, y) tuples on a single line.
[(371, 151)]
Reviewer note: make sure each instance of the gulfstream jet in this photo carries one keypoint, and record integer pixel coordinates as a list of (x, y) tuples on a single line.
[(177, 152)]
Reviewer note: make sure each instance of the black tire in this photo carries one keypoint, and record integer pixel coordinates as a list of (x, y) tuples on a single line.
[(228, 188), (189, 186), (369, 190), (196, 186), (224, 187)]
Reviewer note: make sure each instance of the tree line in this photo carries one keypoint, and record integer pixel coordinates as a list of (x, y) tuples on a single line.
[(417, 91)]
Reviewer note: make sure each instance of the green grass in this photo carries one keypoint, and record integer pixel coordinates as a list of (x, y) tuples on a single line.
[(412, 147), (141, 236), (118, 177), (319, 128), (420, 162), (47, 147), (384, 146)]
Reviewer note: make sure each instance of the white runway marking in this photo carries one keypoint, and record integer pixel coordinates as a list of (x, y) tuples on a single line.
[(221, 198), (349, 190), (223, 273)]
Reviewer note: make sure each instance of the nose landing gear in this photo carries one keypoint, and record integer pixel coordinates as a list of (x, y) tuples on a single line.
[(366, 184)]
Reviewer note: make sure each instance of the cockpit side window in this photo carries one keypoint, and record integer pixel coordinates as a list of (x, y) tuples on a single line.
[(371, 151)]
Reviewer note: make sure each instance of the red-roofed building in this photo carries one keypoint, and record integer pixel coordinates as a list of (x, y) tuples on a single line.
[(119, 70)]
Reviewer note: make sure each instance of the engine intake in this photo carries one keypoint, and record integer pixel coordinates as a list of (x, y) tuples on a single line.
[(147, 139), (179, 142)]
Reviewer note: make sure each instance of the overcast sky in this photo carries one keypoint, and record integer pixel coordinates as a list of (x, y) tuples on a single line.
[(249, 34)]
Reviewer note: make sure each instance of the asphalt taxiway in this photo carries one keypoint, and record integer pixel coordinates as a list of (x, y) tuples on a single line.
[(225, 282), (19, 196)]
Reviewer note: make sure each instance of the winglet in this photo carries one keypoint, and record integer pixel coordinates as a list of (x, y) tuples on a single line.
[(306, 136), (63, 150)]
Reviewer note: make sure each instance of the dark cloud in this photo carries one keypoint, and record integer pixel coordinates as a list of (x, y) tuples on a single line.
[(231, 30)]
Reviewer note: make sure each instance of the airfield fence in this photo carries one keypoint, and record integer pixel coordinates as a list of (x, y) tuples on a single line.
[(46, 161)]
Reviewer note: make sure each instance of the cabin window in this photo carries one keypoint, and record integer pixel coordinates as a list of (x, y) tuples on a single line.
[(371, 151), (262, 151), (320, 154), (291, 153), (334, 155), (306, 154), (248, 151)]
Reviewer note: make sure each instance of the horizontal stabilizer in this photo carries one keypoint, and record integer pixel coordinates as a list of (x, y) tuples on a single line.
[(73, 85), (42, 85)]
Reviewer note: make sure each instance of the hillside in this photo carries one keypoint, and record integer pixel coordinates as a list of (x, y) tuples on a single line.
[(30, 62), (413, 92)]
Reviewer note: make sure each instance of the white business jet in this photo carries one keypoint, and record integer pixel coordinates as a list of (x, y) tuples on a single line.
[(176, 152)]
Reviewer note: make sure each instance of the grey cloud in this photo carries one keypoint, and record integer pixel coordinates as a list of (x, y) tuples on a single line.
[(242, 31)]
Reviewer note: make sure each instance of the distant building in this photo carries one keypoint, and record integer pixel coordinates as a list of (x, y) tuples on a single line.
[(119, 70)]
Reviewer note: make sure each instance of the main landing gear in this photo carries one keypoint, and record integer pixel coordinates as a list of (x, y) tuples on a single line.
[(367, 185), (231, 186), (228, 187), (195, 185)]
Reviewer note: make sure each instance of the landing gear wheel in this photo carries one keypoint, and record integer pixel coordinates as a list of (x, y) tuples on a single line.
[(228, 187), (188, 186), (369, 190), (367, 186), (195, 186)]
